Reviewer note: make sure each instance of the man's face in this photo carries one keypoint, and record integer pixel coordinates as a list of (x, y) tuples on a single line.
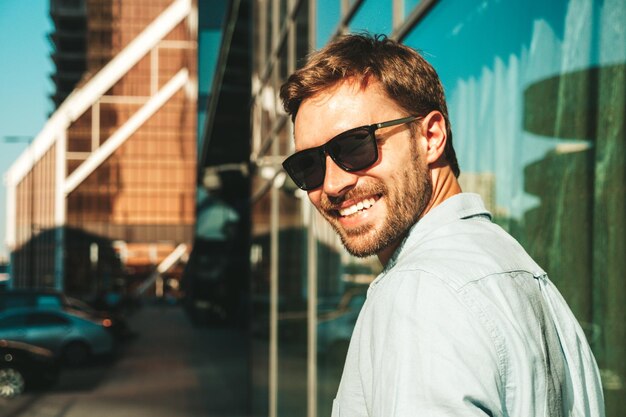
[(371, 209)]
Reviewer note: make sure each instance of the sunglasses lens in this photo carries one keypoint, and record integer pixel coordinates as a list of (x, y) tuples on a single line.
[(306, 168), (354, 150)]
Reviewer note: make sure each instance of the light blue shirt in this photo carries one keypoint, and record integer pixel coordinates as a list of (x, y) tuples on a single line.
[(462, 322)]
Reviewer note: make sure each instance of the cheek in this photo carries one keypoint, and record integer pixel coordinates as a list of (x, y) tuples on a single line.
[(315, 197), (391, 166), (396, 151)]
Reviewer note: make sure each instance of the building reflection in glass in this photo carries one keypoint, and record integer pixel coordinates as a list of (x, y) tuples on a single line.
[(536, 97)]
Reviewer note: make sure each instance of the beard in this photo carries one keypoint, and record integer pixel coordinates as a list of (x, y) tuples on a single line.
[(406, 195)]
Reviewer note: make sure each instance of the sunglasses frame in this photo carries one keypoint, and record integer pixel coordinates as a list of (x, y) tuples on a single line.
[(324, 150)]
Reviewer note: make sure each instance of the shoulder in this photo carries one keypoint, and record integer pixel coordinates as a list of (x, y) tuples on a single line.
[(470, 268), (465, 251), (411, 303), (416, 322), (426, 299)]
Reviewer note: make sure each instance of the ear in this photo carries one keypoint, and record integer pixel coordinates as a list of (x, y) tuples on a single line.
[(434, 130)]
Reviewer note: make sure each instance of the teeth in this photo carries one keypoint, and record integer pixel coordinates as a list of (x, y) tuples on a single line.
[(365, 204)]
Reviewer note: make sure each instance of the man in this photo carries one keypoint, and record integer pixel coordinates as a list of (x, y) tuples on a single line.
[(461, 322)]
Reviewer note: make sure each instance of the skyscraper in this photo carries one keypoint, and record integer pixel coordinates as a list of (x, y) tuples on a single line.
[(107, 188), (69, 40)]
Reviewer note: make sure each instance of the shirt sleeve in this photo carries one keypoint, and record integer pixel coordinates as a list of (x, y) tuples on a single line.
[(432, 351)]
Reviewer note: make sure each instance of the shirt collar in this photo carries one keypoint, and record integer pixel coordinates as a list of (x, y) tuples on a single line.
[(459, 206)]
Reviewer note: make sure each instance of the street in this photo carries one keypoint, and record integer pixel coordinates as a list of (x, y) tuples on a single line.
[(170, 369)]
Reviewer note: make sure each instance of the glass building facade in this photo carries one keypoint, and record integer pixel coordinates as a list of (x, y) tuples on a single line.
[(106, 191), (70, 46), (537, 101), (150, 156)]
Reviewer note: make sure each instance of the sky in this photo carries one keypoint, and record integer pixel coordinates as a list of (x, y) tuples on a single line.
[(25, 85)]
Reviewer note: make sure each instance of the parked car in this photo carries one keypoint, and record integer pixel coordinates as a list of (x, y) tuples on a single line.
[(21, 298), (73, 337), (115, 323), (52, 299), (24, 366)]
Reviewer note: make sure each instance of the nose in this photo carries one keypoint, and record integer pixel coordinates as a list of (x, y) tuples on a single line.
[(337, 181)]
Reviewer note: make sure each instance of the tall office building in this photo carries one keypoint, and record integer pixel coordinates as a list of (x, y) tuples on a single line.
[(106, 191), (69, 40)]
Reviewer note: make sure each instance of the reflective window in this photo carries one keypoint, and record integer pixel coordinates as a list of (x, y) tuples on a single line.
[(302, 33), (537, 102), (292, 308), (45, 319), (269, 21), (373, 16), (537, 112), (409, 5), (210, 18), (49, 301), (328, 16), (260, 275), (342, 286)]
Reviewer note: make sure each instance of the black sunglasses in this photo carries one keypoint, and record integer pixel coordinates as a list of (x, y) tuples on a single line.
[(352, 150)]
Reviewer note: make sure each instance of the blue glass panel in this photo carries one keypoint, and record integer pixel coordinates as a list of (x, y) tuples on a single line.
[(463, 36), (209, 47), (482, 51), (211, 14), (201, 122), (373, 16), (328, 14), (409, 5), (208, 52)]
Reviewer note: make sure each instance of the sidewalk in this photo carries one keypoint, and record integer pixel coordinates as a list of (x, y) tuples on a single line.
[(171, 369)]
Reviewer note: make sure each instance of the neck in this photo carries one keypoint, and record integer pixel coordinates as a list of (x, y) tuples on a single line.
[(445, 185), (386, 254)]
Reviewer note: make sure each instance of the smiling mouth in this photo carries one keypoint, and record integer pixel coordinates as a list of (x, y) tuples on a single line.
[(358, 207)]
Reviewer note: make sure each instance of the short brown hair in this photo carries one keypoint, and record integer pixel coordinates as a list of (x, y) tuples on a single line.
[(406, 76)]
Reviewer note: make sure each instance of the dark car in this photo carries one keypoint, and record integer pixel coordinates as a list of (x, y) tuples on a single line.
[(24, 366), (72, 337)]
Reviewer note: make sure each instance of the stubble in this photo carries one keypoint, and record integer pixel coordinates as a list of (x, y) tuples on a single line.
[(406, 196)]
